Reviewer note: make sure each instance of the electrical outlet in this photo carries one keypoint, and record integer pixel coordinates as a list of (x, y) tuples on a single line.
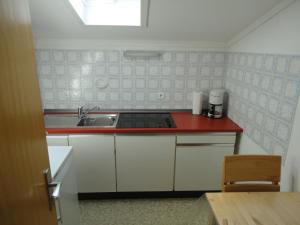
[(160, 95)]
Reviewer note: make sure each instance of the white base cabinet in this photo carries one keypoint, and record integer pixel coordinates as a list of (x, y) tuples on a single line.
[(148, 162), (57, 140), (200, 167), (145, 162), (95, 162), (199, 160)]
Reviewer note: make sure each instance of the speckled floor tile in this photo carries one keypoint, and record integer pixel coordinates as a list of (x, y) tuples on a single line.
[(171, 211)]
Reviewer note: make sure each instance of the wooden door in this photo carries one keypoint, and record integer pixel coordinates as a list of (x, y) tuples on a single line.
[(23, 149)]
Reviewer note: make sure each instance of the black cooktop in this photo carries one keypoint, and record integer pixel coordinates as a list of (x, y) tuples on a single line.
[(145, 120)]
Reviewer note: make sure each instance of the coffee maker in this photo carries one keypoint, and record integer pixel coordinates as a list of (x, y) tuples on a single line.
[(215, 103)]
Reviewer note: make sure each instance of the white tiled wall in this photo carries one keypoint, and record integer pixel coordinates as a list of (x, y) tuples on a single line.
[(263, 88), (263, 96), (69, 78)]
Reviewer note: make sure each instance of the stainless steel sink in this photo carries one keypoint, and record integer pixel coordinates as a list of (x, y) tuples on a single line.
[(60, 121), (99, 120), (71, 121)]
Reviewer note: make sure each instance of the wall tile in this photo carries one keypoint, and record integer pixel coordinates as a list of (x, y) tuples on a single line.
[(180, 57), (113, 70), (140, 83), (291, 90), (139, 96), (205, 71), (153, 83), (44, 70), (113, 56), (277, 86), (73, 56), (281, 64), (46, 83), (269, 62), (167, 57), (114, 83), (127, 83), (193, 70), (101, 96), (87, 57), (166, 84), (193, 58), (250, 60), (99, 56), (207, 57), (100, 70), (58, 56), (74, 70), (294, 67), (259, 61), (154, 70), (140, 70), (166, 70), (86, 70), (179, 71)]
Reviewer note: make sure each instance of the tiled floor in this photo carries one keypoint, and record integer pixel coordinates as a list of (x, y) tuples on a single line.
[(170, 211)]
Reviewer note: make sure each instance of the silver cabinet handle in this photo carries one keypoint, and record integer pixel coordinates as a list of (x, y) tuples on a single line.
[(53, 192), (56, 197), (206, 144), (56, 192)]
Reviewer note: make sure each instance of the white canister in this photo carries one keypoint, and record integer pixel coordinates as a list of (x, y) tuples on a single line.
[(197, 102)]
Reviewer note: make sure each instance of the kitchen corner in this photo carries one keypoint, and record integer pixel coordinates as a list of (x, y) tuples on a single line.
[(139, 112)]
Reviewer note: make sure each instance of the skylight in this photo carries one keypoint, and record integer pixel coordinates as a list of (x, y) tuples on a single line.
[(108, 12)]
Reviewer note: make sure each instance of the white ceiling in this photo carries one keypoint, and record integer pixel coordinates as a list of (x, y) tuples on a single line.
[(173, 20)]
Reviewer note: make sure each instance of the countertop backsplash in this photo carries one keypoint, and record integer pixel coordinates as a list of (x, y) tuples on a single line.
[(70, 78)]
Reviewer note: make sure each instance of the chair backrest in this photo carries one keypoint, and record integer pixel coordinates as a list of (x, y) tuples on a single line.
[(253, 173)]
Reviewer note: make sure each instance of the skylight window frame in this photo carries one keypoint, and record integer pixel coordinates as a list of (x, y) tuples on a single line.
[(79, 8)]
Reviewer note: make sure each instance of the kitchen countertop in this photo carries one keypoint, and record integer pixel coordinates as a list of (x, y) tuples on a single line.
[(57, 157), (185, 122)]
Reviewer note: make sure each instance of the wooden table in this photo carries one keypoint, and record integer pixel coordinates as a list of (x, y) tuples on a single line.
[(255, 208)]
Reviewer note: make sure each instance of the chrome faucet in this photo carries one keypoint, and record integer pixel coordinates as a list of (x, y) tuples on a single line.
[(82, 111)]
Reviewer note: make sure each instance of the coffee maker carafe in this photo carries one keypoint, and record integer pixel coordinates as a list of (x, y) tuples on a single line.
[(215, 103)]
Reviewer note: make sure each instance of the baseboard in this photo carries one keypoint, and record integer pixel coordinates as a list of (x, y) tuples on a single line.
[(158, 194)]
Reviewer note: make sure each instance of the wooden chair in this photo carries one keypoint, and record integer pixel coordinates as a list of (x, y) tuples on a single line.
[(251, 173)]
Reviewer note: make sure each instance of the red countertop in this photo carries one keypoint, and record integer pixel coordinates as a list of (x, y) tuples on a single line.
[(185, 122)]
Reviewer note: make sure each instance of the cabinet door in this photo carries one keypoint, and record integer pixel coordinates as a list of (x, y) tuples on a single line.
[(200, 167), (57, 140), (145, 162), (95, 162)]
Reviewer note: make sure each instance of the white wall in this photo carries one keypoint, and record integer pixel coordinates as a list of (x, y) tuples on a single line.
[(279, 35)]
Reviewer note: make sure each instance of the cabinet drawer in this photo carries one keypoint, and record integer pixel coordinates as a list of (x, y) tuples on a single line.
[(206, 138)]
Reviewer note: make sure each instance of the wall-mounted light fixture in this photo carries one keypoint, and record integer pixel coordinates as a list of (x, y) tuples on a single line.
[(142, 54)]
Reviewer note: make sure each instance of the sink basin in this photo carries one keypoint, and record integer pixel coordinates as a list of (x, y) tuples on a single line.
[(71, 121), (52, 121), (99, 120)]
